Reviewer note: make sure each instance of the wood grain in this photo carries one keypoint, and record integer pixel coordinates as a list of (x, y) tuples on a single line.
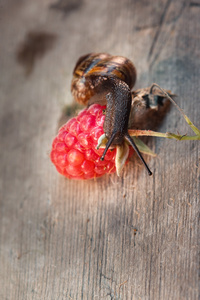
[(132, 237)]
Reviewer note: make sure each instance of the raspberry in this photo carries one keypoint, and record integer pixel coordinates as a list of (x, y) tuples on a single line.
[(74, 150)]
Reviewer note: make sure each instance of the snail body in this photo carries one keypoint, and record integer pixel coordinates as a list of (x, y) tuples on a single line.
[(107, 80)]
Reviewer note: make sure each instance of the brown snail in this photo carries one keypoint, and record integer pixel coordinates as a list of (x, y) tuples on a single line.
[(107, 80)]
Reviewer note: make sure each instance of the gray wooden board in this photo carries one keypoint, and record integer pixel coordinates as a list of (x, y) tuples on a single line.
[(129, 237)]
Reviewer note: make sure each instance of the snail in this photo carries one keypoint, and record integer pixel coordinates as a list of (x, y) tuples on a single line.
[(107, 80)]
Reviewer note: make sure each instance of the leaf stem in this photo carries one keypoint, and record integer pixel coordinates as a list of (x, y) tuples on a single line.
[(192, 126), (168, 135)]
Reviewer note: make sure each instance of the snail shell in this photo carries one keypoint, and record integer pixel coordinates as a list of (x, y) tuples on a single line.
[(99, 65)]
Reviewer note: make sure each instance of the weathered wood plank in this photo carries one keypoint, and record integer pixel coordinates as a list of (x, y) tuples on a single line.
[(132, 237)]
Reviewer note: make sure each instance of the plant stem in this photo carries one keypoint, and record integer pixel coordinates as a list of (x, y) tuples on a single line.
[(160, 134), (192, 126)]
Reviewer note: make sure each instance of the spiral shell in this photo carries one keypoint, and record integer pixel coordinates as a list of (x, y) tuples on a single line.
[(99, 65)]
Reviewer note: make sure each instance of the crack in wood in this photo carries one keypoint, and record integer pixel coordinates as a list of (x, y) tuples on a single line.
[(156, 37), (159, 29)]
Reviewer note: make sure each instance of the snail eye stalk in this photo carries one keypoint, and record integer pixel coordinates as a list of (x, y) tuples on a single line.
[(108, 145), (130, 140)]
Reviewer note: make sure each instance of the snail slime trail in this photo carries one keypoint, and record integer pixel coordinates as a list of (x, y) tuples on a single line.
[(107, 80)]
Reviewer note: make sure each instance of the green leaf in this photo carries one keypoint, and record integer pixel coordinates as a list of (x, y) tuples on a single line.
[(143, 147), (192, 126)]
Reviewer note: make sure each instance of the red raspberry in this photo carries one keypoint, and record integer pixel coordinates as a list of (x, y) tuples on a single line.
[(74, 150)]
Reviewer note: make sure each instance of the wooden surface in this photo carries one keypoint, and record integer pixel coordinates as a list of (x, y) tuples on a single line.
[(132, 237)]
